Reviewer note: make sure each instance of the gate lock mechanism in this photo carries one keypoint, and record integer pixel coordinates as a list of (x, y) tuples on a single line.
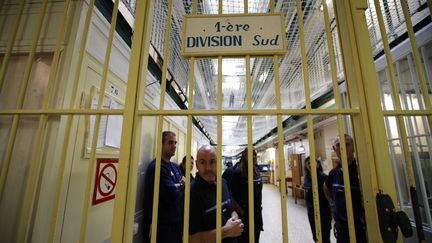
[(390, 220)]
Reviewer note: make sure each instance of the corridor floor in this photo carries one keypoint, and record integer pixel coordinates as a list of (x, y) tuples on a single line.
[(298, 224)]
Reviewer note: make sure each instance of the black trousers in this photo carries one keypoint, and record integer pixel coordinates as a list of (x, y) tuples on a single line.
[(342, 233), (166, 233), (244, 237)]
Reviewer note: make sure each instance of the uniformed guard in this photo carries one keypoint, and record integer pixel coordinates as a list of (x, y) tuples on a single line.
[(325, 211), (202, 220), (239, 190), (171, 194), (335, 192)]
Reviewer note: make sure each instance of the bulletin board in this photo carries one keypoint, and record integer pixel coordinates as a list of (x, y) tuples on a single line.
[(110, 128)]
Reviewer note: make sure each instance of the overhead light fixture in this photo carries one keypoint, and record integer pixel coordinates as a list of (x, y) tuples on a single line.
[(301, 148)]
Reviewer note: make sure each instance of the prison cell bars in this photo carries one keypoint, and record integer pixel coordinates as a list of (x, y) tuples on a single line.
[(400, 120), (250, 161), (219, 147), (106, 112), (191, 86), (69, 121), (313, 164), (361, 82), (23, 88), (34, 166), (53, 72), (33, 180), (91, 165), (35, 160), (10, 45), (280, 152), (418, 63), (124, 205), (160, 126), (336, 96)]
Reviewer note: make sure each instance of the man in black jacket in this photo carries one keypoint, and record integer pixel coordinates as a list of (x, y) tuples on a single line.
[(171, 194)]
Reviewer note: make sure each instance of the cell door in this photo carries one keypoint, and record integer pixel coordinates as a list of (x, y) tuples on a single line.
[(87, 87)]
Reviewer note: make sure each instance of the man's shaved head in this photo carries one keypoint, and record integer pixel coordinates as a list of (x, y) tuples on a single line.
[(206, 163)]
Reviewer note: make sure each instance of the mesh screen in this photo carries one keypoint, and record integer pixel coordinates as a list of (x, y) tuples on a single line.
[(262, 70)]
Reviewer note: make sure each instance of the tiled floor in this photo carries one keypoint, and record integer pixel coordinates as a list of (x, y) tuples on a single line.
[(298, 224)]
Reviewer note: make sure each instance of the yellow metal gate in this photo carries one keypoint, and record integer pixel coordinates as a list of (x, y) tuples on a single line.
[(73, 98)]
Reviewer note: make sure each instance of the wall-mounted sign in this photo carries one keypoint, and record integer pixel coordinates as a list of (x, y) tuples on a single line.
[(105, 180), (233, 35)]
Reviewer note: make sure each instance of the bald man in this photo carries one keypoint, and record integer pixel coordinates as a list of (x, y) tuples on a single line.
[(202, 220)]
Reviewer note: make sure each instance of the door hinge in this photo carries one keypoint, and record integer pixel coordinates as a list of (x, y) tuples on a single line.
[(390, 219)]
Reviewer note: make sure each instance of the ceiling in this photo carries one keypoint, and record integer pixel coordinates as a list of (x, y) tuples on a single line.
[(234, 128)]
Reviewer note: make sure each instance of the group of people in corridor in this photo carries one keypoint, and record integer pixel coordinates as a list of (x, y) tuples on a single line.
[(235, 206), (331, 197)]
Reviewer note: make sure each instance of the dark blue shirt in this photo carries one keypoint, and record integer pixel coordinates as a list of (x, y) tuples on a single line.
[(336, 184), (170, 197), (240, 193), (203, 206), (309, 192)]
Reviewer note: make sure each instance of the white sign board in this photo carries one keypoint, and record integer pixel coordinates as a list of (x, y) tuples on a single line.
[(233, 35)]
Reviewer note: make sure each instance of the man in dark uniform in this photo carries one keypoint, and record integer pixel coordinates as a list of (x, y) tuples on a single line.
[(229, 171), (170, 210), (202, 220), (324, 207), (335, 193), (240, 193)]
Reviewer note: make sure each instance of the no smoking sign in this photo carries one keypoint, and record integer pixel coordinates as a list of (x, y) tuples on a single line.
[(105, 180)]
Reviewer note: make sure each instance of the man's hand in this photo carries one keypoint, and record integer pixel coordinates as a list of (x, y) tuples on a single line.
[(181, 184), (183, 180), (233, 227)]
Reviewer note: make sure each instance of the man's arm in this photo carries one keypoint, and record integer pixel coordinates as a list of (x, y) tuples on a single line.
[(232, 228)]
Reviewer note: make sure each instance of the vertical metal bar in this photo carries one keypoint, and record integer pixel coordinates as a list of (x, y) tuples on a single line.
[(331, 52), (271, 2), (309, 122), (160, 125), (62, 161), (219, 151), (195, 7), (124, 205), (188, 148), (418, 63), (91, 164), (189, 139), (11, 42), (281, 158), (250, 160), (400, 120), (219, 147), (427, 63), (22, 92), (220, 7)]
